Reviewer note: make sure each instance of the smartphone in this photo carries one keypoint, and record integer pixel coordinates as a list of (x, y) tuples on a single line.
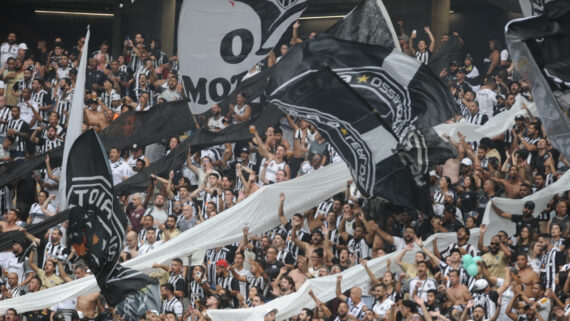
[(414, 32), (127, 38)]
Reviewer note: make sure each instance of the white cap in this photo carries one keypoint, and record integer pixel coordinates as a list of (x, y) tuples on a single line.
[(23, 46), (480, 285), (269, 310), (116, 97), (466, 161)]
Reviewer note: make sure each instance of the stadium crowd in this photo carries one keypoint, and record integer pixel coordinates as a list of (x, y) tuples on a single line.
[(522, 277)]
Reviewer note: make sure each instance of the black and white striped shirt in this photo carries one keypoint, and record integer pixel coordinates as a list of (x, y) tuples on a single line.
[(17, 291), (423, 57), (324, 207), (356, 310), (173, 305), (21, 85), (19, 125), (5, 199), (48, 144), (5, 116), (285, 257), (548, 272), (135, 62), (464, 278), (196, 292), (470, 249), (53, 251), (107, 98), (63, 106), (42, 98), (178, 282), (212, 256), (477, 119)]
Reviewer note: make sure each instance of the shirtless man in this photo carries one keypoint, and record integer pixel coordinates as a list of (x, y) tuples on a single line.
[(88, 305), (526, 274), (132, 244), (317, 242), (513, 184), (457, 292), (299, 274), (10, 223), (95, 119)]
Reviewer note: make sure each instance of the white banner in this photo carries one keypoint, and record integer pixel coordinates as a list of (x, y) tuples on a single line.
[(495, 126), (220, 40)]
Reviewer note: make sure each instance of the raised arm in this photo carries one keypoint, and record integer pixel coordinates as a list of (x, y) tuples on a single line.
[(500, 212), (434, 258), (482, 230), (431, 39), (398, 259), (339, 294), (280, 212), (373, 279)]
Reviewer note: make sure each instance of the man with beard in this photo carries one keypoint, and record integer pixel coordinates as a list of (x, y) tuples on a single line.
[(529, 312), (170, 301), (54, 248), (526, 219), (225, 280), (169, 229), (158, 212), (342, 312), (176, 277), (147, 222), (497, 254), (9, 49), (454, 264), (48, 143), (217, 122), (422, 283), (478, 313), (397, 242), (463, 235), (382, 303)]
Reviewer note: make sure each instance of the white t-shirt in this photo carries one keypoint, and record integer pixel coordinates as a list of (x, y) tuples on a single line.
[(381, 309), (145, 248), (120, 170), (487, 100), (26, 112)]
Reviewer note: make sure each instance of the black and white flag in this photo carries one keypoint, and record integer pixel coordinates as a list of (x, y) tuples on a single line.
[(406, 94), (96, 222), (220, 40), (540, 47), (357, 132)]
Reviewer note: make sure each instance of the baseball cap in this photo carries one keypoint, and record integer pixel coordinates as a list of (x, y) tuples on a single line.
[(466, 161), (529, 204), (153, 312), (480, 285), (222, 263), (116, 97), (244, 150), (23, 46), (519, 117), (269, 310)]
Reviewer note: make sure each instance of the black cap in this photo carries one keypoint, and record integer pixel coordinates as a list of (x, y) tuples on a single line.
[(73, 71), (244, 150), (519, 117), (529, 204), (453, 63), (461, 70), (317, 230)]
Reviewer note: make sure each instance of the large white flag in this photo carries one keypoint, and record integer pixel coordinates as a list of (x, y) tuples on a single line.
[(75, 124), (220, 40)]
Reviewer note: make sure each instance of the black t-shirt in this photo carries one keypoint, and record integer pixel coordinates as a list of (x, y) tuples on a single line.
[(39, 315), (520, 223)]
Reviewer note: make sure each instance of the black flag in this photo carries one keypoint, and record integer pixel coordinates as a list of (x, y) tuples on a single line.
[(163, 120), (96, 222), (358, 133), (540, 47), (405, 93), (367, 23), (448, 53)]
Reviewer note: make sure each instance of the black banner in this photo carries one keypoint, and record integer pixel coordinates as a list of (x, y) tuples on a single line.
[(37, 230), (96, 222), (448, 53), (163, 120), (363, 139), (202, 138)]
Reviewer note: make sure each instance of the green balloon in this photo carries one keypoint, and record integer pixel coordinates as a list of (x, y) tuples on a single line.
[(477, 258), (472, 269), (467, 259)]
